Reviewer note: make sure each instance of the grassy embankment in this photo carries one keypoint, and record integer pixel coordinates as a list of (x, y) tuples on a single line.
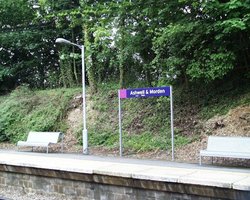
[(24, 110), (145, 121)]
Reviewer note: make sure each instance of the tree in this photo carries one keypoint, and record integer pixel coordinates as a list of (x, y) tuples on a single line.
[(203, 44), (155, 42)]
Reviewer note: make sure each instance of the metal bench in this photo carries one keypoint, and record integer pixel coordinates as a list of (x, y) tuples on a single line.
[(42, 139), (230, 147)]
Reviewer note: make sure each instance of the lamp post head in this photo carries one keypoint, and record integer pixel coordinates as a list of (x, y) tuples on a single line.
[(35, 6), (62, 40)]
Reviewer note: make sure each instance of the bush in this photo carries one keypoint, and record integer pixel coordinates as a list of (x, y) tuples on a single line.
[(25, 110)]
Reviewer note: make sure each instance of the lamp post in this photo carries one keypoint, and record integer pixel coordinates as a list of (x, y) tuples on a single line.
[(84, 131)]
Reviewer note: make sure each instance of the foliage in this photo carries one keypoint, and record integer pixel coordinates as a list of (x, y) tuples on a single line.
[(25, 110), (28, 51), (193, 45), (203, 44), (156, 42), (145, 124), (226, 97)]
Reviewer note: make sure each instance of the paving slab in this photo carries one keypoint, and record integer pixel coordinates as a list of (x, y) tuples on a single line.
[(243, 184), (121, 170), (163, 171), (167, 174), (43, 162), (214, 178)]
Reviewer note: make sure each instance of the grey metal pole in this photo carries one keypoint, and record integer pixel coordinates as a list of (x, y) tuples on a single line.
[(84, 115), (172, 121), (120, 124), (84, 131)]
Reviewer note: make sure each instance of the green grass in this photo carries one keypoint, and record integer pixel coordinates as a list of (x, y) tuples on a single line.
[(25, 110), (148, 141), (145, 123), (221, 104), (2, 98)]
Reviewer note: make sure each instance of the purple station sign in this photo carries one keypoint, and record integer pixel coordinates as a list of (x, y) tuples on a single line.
[(144, 92)]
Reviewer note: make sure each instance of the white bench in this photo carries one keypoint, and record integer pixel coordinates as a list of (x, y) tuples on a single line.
[(42, 139), (230, 147)]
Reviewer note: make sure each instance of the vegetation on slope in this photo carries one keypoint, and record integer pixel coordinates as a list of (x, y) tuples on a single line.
[(25, 110), (145, 124)]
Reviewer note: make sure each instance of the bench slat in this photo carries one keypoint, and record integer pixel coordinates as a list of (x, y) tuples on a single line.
[(33, 144), (51, 137), (233, 147), (224, 154), (42, 139), (228, 144)]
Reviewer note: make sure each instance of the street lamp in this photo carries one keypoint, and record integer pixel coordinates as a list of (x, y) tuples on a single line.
[(84, 131)]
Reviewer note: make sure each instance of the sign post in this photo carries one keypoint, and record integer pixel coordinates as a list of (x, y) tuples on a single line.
[(143, 93), (120, 123), (172, 121)]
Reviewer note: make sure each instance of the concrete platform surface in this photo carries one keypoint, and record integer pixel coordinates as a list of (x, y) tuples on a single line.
[(231, 178)]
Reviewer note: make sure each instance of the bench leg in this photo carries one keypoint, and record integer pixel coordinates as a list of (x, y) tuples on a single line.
[(212, 160), (62, 144), (47, 149), (200, 159)]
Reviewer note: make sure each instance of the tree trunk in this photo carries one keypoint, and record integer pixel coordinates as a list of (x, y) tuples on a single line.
[(90, 60), (121, 70), (122, 59), (74, 62)]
